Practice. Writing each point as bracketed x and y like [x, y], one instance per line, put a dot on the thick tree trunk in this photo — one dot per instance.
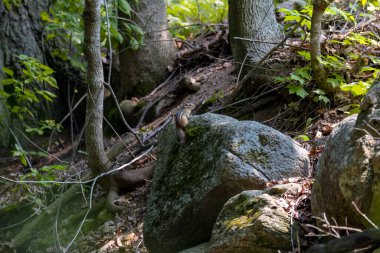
[20, 29]
[319, 72]
[255, 20]
[97, 159]
[252, 25]
[141, 70]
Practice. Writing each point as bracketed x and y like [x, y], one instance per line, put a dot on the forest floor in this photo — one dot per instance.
[125, 232]
[217, 76]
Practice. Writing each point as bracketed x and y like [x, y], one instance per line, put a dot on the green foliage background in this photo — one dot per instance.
[186, 16]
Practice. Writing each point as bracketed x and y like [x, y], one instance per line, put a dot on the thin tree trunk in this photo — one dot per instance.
[319, 72]
[97, 159]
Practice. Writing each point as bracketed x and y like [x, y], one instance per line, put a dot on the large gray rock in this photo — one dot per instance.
[349, 169]
[221, 158]
[252, 221]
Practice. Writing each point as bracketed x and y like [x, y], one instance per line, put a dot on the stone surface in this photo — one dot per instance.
[251, 221]
[221, 158]
[349, 169]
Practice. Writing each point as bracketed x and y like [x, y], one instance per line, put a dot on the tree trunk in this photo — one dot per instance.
[255, 20]
[319, 72]
[20, 29]
[97, 159]
[142, 69]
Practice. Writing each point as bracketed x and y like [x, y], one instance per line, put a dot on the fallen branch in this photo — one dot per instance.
[368, 239]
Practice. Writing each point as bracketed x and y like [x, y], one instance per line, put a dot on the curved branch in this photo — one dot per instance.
[319, 72]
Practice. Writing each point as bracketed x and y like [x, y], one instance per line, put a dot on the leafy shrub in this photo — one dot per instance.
[349, 69]
[186, 16]
[64, 20]
[23, 94]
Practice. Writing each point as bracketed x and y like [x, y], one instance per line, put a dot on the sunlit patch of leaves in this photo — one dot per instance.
[186, 16]
[349, 69]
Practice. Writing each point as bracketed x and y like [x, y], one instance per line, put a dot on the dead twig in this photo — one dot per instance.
[363, 215]
[370, 239]
[64, 118]
[332, 230]
[122, 115]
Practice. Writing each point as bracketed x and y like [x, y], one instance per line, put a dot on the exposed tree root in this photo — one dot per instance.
[127, 181]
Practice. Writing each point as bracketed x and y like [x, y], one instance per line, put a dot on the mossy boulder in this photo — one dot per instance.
[221, 158]
[251, 221]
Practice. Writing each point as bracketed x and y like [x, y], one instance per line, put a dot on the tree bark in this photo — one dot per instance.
[142, 69]
[255, 20]
[97, 159]
[319, 72]
[20, 29]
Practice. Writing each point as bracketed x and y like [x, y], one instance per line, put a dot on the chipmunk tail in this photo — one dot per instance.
[181, 136]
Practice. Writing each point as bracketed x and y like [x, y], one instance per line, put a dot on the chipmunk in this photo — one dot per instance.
[181, 120]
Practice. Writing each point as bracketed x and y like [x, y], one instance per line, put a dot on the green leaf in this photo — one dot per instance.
[292, 18]
[45, 16]
[302, 137]
[319, 92]
[7, 5]
[139, 32]
[47, 95]
[347, 42]
[366, 68]
[281, 79]
[8, 71]
[297, 78]
[360, 89]
[134, 44]
[52, 82]
[23, 160]
[355, 109]
[308, 123]
[334, 82]
[356, 89]
[305, 54]
[302, 93]
[375, 59]
[4, 94]
[324, 99]
[124, 7]
[48, 71]
[8, 81]
[339, 78]
[26, 72]
[59, 167]
[38, 153]
[50, 36]
[34, 130]
[126, 28]
[299, 90]
[304, 72]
